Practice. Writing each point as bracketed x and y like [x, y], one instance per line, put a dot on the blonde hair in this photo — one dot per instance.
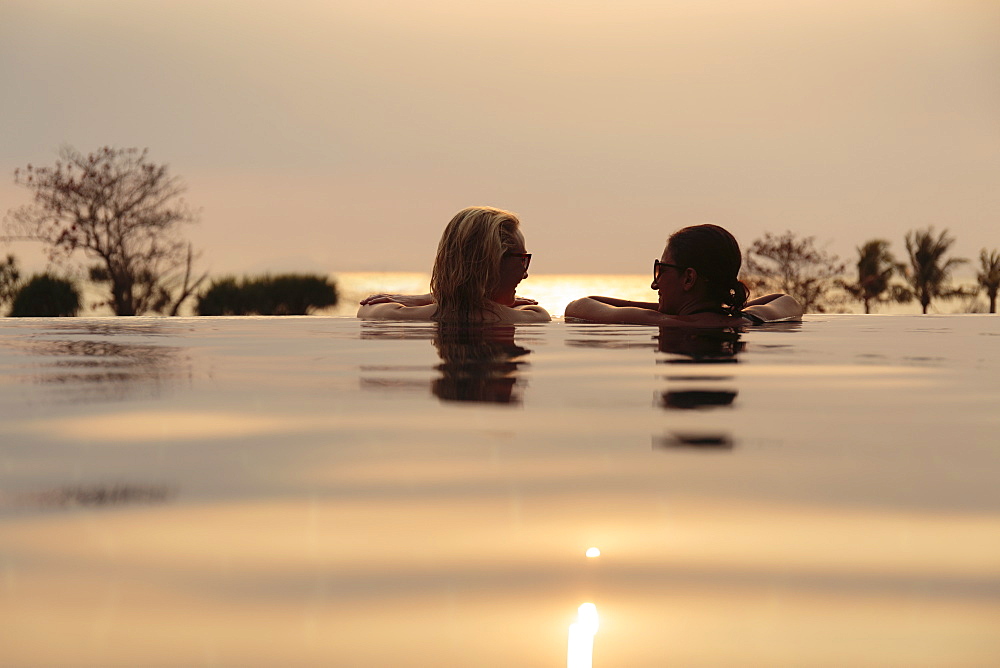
[467, 266]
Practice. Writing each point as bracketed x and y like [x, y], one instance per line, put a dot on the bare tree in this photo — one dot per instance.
[123, 212]
[794, 265]
[989, 276]
[929, 270]
[876, 267]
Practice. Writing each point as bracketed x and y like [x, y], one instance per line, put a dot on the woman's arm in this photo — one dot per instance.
[395, 311]
[614, 301]
[594, 310]
[405, 300]
[423, 300]
[775, 308]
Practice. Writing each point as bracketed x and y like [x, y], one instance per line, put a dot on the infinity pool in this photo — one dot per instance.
[328, 492]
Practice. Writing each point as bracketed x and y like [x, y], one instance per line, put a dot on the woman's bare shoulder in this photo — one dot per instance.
[523, 314]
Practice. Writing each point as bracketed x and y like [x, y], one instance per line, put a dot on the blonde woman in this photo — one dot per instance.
[480, 261]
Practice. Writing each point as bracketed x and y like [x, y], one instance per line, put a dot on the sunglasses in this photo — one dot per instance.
[524, 257]
[658, 268]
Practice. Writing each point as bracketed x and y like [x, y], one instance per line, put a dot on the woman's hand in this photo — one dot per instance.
[405, 300]
[523, 301]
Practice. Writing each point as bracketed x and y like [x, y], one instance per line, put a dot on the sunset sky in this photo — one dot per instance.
[342, 136]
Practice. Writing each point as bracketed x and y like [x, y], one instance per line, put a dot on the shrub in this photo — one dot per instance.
[46, 296]
[286, 294]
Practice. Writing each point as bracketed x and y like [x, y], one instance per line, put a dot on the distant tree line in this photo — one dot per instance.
[122, 215]
[794, 265]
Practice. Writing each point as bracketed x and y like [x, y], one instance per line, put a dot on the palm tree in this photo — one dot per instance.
[929, 270]
[876, 266]
[989, 276]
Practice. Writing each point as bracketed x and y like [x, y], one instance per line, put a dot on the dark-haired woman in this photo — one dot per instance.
[698, 286]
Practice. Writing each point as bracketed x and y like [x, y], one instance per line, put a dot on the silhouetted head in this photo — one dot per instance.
[480, 261]
[705, 261]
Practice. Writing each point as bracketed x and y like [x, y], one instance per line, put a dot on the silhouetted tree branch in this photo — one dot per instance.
[793, 265]
[123, 212]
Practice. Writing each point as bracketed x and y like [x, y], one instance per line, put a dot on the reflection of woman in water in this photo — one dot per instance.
[698, 285]
[478, 363]
[480, 261]
[703, 346]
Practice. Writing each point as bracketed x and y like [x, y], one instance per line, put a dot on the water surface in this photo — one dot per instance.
[324, 491]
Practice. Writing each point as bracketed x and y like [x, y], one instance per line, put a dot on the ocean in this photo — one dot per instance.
[554, 291]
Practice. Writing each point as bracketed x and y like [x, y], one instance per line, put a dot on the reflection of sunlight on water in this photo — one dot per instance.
[580, 651]
[166, 426]
[552, 291]
[555, 291]
[354, 286]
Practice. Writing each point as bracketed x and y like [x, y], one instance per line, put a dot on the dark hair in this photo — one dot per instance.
[714, 253]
